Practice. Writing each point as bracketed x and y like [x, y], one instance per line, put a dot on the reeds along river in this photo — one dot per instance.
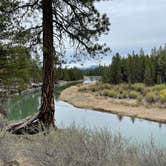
[137, 130]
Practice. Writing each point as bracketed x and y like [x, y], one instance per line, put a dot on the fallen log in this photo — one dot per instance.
[30, 125]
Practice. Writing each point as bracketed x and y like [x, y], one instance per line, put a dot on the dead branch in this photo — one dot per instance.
[30, 125]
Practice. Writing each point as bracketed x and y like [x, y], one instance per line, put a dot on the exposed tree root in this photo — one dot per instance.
[30, 125]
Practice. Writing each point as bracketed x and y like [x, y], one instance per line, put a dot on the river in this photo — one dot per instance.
[137, 130]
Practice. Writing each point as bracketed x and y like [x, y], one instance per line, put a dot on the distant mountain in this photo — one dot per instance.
[88, 67]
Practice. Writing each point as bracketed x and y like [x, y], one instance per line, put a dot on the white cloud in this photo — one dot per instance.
[135, 23]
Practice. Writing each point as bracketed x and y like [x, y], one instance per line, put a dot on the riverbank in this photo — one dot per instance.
[74, 146]
[88, 100]
[11, 108]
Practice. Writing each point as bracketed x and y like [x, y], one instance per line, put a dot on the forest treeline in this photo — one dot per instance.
[18, 66]
[135, 68]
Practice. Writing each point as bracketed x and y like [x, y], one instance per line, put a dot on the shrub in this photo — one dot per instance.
[105, 92]
[79, 147]
[133, 94]
[138, 87]
[163, 92]
[102, 86]
[120, 89]
[92, 88]
[162, 99]
[151, 97]
[82, 89]
[83, 147]
[140, 98]
[110, 93]
[123, 95]
[124, 86]
[163, 96]
[99, 86]
[147, 90]
[160, 87]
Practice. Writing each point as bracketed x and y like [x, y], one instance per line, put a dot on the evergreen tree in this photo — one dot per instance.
[148, 72]
[137, 68]
[116, 75]
[78, 20]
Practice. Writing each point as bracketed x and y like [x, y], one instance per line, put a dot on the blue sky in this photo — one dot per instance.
[135, 24]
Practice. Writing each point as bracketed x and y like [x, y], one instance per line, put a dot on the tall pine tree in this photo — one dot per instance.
[78, 20]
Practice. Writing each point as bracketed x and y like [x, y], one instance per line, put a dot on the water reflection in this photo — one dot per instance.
[23, 106]
[160, 125]
[132, 119]
[66, 114]
[120, 117]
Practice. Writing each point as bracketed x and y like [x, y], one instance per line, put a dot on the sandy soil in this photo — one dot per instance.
[87, 100]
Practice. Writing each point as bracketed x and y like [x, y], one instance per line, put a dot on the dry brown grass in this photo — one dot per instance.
[77, 147]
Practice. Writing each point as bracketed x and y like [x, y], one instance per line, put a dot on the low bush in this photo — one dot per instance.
[123, 95]
[140, 92]
[151, 97]
[119, 89]
[140, 98]
[82, 89]
[160, 87]
[93, 88]
[110, 93]
[138, 87]
[162, 99]
[133, 94]
[102, 86]
[163, 96]
[124, 86]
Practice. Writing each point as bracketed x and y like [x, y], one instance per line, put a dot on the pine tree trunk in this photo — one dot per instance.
[47, 108]
[46, 114]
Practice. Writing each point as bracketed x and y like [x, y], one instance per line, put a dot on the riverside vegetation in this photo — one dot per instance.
[18, 69]
[71, 146]
[155, 95]
[74, 146]
[77, 146]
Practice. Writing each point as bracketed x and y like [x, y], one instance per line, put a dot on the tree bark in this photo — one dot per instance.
[47, 99]
[45, 117]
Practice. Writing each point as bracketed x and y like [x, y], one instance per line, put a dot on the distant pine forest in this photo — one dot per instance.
[133, 68]
[17, 66]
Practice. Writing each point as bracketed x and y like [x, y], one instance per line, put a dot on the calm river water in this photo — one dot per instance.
[137, 130]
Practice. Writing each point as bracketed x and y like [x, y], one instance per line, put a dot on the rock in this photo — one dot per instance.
[36, 85]
[14, 91]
